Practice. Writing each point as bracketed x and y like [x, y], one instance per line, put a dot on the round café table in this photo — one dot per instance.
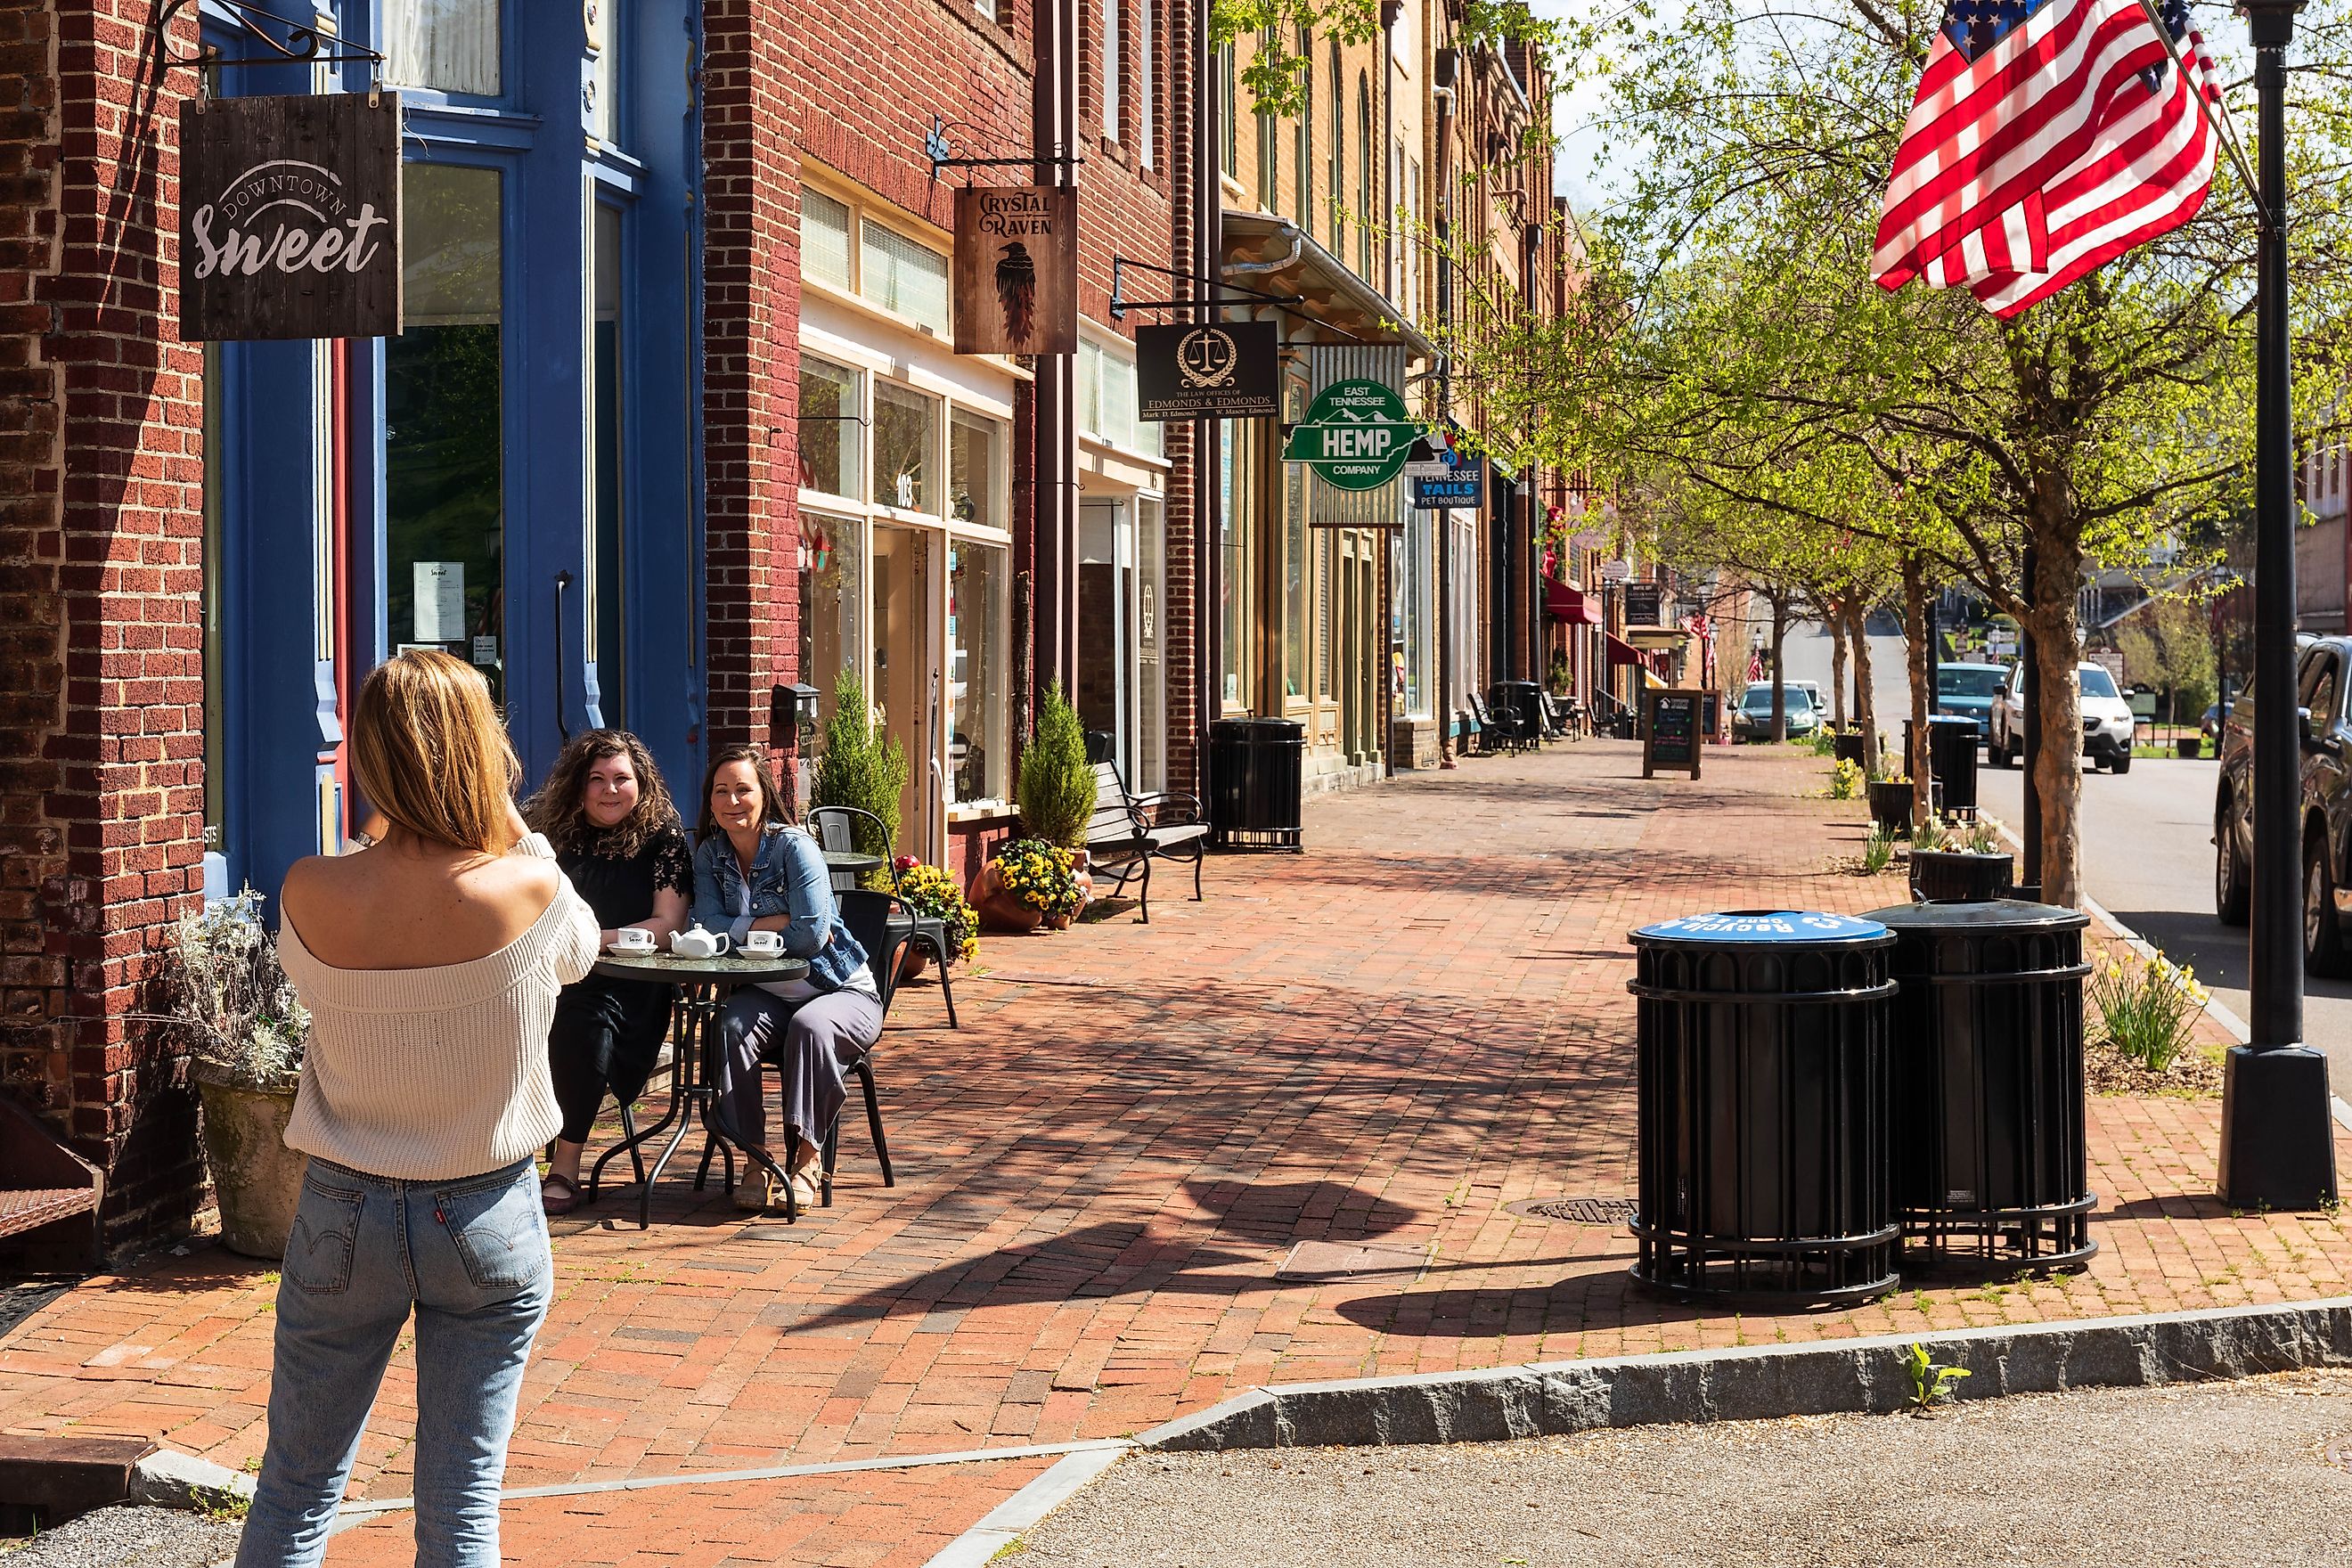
[704, 984]
[852, 862]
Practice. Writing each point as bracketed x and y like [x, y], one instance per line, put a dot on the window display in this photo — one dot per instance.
[978, 724]
[905, 430]
[828, 426]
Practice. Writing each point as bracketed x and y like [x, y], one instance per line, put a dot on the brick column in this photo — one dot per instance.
[101, 747]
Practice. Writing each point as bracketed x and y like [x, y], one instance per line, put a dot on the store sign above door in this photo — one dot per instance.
[1016, 270]
[1443, 474]
[1219, 370]
[1356, 436]
[289, 217]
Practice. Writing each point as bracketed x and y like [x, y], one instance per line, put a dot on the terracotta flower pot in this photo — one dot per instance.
[913, 961]
[1001, 909]
[1081, 868]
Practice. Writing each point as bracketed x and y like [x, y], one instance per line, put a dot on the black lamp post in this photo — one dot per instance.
[2278, 1141]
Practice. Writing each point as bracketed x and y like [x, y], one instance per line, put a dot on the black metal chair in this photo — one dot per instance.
[836, 828]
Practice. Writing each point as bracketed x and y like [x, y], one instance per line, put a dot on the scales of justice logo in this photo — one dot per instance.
[1206, 359]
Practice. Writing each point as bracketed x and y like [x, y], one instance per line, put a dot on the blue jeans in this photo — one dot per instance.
[470, 1255]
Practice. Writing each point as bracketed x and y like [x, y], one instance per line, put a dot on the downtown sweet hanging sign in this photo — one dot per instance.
[1016, 270]
[289, 217]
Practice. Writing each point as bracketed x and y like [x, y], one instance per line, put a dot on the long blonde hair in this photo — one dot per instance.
[429, 751]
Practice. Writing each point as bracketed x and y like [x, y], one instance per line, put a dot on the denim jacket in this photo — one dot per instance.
[788, 877]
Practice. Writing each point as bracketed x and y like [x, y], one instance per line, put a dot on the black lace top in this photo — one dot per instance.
[621, 889]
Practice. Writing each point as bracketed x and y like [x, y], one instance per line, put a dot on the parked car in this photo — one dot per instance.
[2216, 714]
[2107, 721]
[1752, 719]
[2321, 666]
[1966, 691]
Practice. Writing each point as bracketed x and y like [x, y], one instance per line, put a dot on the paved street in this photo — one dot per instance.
[2256, 1474]
[1810, 648]
[1397, 1040]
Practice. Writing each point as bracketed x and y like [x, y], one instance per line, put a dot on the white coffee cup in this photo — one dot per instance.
[633, 939]
[763, 943]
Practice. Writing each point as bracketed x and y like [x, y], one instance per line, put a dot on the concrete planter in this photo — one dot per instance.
[255, 1177]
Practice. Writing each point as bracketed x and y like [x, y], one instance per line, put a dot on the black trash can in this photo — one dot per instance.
[1959, 876]
[1952, 755]
[1765, 1098]
[1256, 783]
[1988, 1152]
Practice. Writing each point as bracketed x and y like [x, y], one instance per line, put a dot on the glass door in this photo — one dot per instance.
[1106, 690]
[1151, 614]
[444, 444]
[906, 690]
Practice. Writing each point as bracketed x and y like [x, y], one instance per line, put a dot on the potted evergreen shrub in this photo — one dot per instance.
[1055, 792]
[864, 768]
[221, 981]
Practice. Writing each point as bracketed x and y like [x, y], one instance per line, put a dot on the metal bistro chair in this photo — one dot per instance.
[868, 915]
[835, 828]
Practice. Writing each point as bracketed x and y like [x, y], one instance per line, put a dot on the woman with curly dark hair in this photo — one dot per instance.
[615, 834]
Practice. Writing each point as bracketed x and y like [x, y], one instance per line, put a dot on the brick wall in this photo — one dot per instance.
[100, 571]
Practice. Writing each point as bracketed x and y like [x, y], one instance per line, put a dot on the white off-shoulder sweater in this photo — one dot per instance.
[437, 1073]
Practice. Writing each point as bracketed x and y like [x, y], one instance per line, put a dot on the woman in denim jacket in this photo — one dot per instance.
[754, 872]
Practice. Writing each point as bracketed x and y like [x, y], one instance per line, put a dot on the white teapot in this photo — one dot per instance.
[698, 942]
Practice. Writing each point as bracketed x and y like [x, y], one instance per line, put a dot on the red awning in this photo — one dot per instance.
[1562, 603]
[1623, 652]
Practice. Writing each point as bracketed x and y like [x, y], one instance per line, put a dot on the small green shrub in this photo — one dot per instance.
[1845, 780]
[2147, 1011]
[1056, 791]
[1930, 1383]
[1927, 835]
[1878, 851]
[1822, 742]
[861, 768]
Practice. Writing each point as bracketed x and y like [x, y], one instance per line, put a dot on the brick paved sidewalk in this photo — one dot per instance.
[1392, 1038]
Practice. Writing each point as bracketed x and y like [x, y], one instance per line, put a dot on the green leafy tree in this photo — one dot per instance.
[1056, 789]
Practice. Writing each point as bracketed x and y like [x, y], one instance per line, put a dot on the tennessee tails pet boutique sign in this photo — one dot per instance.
[289, 217]
[1016, 270]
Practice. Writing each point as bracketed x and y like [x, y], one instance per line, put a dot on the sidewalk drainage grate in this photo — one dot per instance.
[1576, 1211]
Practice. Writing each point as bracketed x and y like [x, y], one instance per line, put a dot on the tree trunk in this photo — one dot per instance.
[2058, 773]
[1780, 680]
[1866, 701]
[1835, 616]
[1914, 642]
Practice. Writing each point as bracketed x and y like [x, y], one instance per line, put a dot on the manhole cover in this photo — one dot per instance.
[1576, 1211]
[1330, 1260]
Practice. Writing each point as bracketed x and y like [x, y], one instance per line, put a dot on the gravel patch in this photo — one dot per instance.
[130, 1537]
[2236, 1475]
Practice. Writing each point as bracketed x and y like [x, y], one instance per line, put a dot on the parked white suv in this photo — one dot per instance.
[2107, 722]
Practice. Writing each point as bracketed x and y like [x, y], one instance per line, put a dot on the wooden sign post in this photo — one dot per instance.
[289, 217]
[1670, 737]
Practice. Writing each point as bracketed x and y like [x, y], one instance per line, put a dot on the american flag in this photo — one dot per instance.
[2048, 137]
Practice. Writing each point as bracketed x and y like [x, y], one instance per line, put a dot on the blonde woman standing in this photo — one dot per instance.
[430, 963]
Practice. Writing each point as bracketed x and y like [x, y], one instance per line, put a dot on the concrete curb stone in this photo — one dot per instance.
[1767, 1382]
[167, 1478]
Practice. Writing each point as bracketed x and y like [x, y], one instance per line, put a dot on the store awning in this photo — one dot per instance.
[1275, 256]
[1623, 652]
[1656, 639]
[1562, 603]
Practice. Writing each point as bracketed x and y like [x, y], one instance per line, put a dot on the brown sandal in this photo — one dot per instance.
[551, 1204]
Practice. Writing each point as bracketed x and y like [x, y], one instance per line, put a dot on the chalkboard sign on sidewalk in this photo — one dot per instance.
[1672, 737]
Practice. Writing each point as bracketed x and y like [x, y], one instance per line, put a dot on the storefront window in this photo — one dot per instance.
[976, 469]
[1420, 608]
[443, 470]
[1327, 601]
[448, 44]
[824, 238]
[604, 586]
[906, 429]
[832, 567]
[978, 725]
[899, 275]
[1294, 582]
[829, 427]
[1151, 672]
[1237, 502]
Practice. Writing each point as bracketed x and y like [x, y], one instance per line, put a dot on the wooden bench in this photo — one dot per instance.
[1129, 832]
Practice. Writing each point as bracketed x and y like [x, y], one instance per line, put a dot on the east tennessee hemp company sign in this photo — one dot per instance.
[289, 217]
[1356, 435]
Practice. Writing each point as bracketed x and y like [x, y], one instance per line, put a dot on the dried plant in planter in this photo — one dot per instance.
[221, 981]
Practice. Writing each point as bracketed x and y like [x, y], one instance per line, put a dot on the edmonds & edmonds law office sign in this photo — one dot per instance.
[289, 217]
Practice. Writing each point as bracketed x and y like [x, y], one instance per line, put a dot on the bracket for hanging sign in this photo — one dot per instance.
[940, 151]
[1119, 307]
[300, 47]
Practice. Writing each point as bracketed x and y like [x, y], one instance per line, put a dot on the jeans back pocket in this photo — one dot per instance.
[499, 1232]
[325, 1237]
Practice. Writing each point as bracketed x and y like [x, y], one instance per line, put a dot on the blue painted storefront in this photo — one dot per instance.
[319, 497]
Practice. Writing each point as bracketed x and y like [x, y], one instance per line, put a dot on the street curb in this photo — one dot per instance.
[1004, 1523]
[1766, 1382]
